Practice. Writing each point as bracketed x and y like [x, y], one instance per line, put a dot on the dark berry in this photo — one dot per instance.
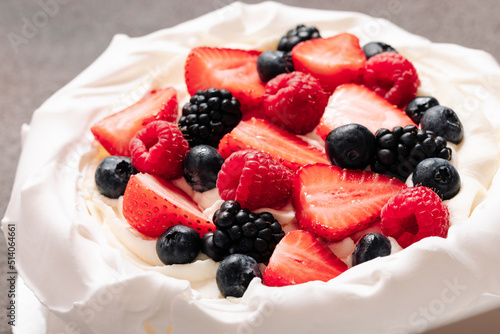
[296, 35]
[112, 175]
[370, 246]
[439, 175]
[208, 247]
[444, 122]
[418, 106]
[272, 63]
[351, 146]
[372, 48]
[235, 273]
[201, 166]
[179, 244]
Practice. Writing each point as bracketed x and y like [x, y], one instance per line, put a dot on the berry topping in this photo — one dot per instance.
[370, 246]
[399, 151]
[296, 35]
[209, 248]
[255, 180]
[439, 175]
[334, 60]
[235, 273]
[299, 258]
[231, 69]
[201, 166]
[208, 116]
[444, 122]
[374, 48]
[352, 103]
[271, 63]
[413, 214]
[112, 175]
[334, 203]
[159, 149]
[151, 205]
[418, 106]
[259, 134]
[351, 146]
[115, 131]
[392, 76]
[179, 244]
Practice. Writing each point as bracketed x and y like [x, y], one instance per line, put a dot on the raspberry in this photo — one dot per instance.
[295, 101]
[414, 213]
[159, 149]
[255, 180]
[393, 77]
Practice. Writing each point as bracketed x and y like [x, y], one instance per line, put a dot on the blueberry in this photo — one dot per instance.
[179, 244]
[370, 246]
[112, 175]
[439, 175]
[418, 106]
[351, 146]
[235, 273]
[201, 166]
[272, 63]
[444, 122]
[373, 48]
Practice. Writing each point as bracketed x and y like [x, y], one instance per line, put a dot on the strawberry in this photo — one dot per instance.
[334, 203]
[334, 60]
[351, 103]
[299, 258]
[261, 135]
[115, 131]
[151, 205]
[231, 69]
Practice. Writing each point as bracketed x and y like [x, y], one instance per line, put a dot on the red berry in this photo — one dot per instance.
[413, 214]
[255, 180]
[159, 149]
[295, 101]
[392, 76]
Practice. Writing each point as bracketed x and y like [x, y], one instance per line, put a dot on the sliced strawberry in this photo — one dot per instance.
[351, 103]
[334, 60]
[299, 258]
[261, 135]
[115, 131]
[334, 203]
[222, 68]
[151, 205]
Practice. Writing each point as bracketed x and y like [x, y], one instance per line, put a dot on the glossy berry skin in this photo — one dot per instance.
[418, 106]
[112, 175]
[351, 146]
[439, 175]
[371, 246]
[201, 166]
[179, 244]
[373, 48]
[209, 248]
[444, 122]
[274, 62]
[235, 274]
[296, 35]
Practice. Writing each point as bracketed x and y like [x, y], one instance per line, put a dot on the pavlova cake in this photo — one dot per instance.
[264, 169]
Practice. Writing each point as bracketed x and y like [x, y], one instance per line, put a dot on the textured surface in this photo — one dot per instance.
[45, 43]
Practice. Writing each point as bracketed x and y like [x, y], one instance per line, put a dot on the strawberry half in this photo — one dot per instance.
[334, 203]
[299, 258]
[115, 131]
[334, 60]
[151, 205]
[231, 69]
[351, 103]
[261, 135]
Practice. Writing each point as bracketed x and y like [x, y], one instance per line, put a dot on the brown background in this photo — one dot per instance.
[76, 32]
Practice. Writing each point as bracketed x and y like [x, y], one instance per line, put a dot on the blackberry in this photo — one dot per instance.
[240, 231]
[208, 116]
[296, 35]
[399, 151]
